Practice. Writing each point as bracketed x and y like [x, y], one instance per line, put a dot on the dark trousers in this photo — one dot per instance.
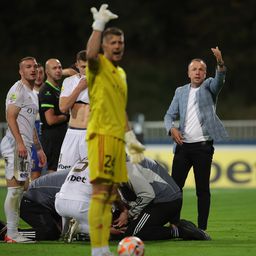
[46, 223]
[199, 156]
[149, 225]
[51, 140]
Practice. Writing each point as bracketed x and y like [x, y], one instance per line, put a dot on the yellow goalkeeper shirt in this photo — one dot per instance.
[108, 97]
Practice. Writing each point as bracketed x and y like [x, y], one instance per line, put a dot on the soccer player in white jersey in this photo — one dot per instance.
[21, 112]
[74, 99]
[73, 199]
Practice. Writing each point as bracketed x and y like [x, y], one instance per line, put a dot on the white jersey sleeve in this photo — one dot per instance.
[15, 95]
[69, 84]
[141, 187]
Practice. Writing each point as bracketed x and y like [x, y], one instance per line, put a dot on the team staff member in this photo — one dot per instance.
[74, 99]
[54, 122]
[21, 112]
[37, 206]
[194, 105]
[154, 199]
[107, 125]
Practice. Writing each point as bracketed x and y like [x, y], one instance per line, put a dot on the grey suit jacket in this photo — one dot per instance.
[207, 99]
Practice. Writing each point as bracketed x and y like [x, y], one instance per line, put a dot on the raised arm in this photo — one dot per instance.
[219, 79]
[100, 17]
[220, 62]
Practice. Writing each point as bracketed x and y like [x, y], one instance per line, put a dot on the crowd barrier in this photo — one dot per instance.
[234, 166]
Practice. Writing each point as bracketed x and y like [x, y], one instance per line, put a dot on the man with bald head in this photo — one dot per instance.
[54, 122]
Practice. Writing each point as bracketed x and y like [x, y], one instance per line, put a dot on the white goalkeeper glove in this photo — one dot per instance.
[102, 17]
[134, 147]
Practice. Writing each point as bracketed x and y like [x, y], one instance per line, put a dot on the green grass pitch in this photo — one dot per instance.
[232, 226]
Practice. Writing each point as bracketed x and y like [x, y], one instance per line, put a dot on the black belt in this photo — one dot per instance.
[207, 142]
[75, 128]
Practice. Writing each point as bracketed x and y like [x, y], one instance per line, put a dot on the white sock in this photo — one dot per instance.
[96, 251]
[65, 225]
[105, 249]
[12, 209]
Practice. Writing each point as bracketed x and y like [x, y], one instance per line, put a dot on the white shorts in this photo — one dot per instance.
[15, 166]
[73, 149]
[73, 209]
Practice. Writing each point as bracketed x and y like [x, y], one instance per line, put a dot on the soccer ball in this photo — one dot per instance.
[130, 246]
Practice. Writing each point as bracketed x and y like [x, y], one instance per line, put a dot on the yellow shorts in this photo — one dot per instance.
[107, 158]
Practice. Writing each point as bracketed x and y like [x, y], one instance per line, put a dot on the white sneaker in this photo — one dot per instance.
[72, 230]
[18, 239]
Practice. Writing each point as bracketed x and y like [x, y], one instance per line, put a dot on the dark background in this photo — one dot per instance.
[161, 38]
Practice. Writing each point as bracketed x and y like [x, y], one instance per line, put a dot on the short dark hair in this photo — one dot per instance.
[39, 65]
[81, 55]
[112, 31]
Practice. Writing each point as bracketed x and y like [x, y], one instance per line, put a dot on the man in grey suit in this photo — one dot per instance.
[194, 105]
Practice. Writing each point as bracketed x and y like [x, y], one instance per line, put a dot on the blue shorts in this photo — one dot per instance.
[34, 159]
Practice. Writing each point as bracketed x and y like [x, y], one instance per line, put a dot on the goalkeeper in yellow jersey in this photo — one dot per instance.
[107, 125]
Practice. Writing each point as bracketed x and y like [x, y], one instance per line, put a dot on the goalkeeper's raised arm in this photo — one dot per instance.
[101, 17]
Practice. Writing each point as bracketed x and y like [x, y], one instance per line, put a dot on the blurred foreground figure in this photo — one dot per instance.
[107, 125]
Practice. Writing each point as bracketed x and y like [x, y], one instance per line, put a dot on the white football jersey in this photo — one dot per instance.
[77, 185]
[26, 99]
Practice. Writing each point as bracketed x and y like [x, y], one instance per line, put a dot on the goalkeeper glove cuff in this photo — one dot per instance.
[130, 136]
[98, 25]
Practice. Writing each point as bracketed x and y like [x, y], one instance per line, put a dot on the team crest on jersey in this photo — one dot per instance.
[48, 93]
[13, 98]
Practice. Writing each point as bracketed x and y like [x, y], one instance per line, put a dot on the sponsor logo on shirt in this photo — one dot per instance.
[64, 167]
[74, 178]
[12, 98]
